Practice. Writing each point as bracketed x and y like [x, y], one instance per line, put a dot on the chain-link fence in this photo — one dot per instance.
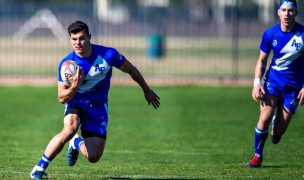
[170, 41]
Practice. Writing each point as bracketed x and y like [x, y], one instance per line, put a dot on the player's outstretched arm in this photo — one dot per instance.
[150, 95]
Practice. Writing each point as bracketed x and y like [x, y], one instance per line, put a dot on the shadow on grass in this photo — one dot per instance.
[267, 167]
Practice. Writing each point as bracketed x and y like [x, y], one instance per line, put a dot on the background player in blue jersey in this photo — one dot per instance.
[283, 84]
[86, 99]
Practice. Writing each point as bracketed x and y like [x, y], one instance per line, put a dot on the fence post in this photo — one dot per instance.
[235, 41]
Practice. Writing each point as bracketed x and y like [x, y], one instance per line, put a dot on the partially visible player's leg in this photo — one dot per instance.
[73, 150]
[285, 112]
[94, 130]
[74, 111]
[267, 108]
[71, 125]
[93, 149]
[55, 146]
[260, 137]
[280, 124]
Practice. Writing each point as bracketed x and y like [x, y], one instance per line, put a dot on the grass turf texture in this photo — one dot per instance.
[198, 133]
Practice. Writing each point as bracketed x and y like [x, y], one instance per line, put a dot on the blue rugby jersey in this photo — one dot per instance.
[287, 65]
[97, 70]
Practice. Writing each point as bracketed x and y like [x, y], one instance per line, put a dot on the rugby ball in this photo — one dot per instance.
[68, 70]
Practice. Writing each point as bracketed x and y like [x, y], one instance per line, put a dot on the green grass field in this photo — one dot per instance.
[198, 133]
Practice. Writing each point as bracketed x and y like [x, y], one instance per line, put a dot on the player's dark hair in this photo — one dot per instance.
[78, 26]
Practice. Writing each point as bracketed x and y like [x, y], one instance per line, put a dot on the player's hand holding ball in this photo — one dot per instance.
[72, 74]
[77, 79]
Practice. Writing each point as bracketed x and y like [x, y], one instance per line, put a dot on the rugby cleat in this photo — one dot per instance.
[255, 162]
[72, 154]
[38, 173]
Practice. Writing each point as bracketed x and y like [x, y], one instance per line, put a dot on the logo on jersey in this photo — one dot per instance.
[295, 44]
[290, 52]
[100, 68]
[97, 73]
[274, 42]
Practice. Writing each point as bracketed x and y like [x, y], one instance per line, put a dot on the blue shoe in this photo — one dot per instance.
[38, 173]
[72, 154]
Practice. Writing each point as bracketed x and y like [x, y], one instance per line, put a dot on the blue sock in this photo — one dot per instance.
[44, 161]
[78, 142]
[259, 141]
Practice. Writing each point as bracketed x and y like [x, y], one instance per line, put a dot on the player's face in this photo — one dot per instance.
[287, 16]
[81, 43]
